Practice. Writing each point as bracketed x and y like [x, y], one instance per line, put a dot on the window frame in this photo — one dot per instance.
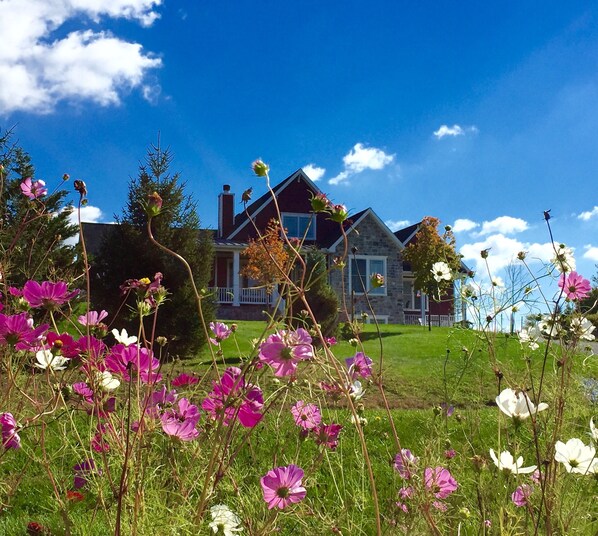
[311, 229]
[411, 281]
[374, 292]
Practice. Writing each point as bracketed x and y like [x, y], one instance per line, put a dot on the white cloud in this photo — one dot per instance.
[395, 225]
[314, 172]
[504, 225]
[463, 225]
[589, 214]
[361, 158]
[89, 214]
[591, 253]
[39, 68]
[455, 130]
[503, 251]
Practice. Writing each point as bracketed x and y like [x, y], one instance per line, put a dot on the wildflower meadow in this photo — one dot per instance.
[279, 428]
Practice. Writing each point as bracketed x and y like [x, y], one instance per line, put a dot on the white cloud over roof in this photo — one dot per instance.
[314, 172]
[395, 225]
[463, 225]
[360, 158]
[39, 67]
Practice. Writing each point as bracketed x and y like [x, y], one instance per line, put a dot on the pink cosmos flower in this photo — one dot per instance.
[142, 360]
[184, 379]
[282, 486]
[181, 423]
[84, 391]
[63, 344]
[307, 416]
[521, 495]
[10, 438]
[83, 471]
[159, 401]
[331, 341]
[283, 350]
[574, 286]
[33, 189]
[405, 463]
[18, 330]
[234, 398]
[47, 294]
[327, 435]
[359, 365]
[450, 453]
[221, 332]
[92, 318]
[440, 482]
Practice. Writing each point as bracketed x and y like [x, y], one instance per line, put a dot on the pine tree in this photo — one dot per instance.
[127, 253]
[33, 233]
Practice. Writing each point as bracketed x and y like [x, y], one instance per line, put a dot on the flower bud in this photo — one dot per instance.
[80, 187]
[484, 253]
[521, 255]
[320, 203]
[339, 213]
[376, 280]
[66, 177]
[260, 168]
[154, 205]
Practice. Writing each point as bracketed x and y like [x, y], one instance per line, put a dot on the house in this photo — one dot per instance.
[369, 245]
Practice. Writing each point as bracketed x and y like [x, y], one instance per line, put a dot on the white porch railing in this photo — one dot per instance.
[248, 295]
[435, 320]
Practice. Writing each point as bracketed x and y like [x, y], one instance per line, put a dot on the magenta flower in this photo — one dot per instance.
[234, 398]
[327, 435]
[181, 423]
[33, 189]
[10, 438]
[307, 416]
[142, 360]
[283, 350]
[405, 463]
[63, 344]
[521, 495]
[47, 294]
[440, 482]
[83, 471]
[450, 453]
[159, 401]
[184, 379]
[18, 330]
[84, 391]
[92, 318]
[359, 365]
[282, 486]
[221, 332]
[574, 286]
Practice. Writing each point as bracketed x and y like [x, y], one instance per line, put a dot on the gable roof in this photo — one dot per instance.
[406, 234]
[242, 219]
[357, 219]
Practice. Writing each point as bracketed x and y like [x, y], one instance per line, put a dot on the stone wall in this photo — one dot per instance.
[370, 239]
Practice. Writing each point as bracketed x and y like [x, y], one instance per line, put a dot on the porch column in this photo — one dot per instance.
[236, 281]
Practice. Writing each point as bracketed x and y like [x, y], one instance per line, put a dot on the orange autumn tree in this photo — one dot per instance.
[267, 257]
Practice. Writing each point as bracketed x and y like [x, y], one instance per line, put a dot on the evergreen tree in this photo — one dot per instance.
[33, 232]
[127, 253]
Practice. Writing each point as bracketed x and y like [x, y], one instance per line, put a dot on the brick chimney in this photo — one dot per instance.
[226, 211]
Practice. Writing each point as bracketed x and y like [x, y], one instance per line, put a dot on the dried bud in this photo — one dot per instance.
[80, 187]
[260, 168]
[66, 177]
[233, 327]
[484, 253]
[161, 340]
[246, 195]
[521, 255]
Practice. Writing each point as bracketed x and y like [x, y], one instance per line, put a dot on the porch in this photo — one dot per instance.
[250, 295]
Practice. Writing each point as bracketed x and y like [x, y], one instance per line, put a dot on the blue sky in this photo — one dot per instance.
[483, 114]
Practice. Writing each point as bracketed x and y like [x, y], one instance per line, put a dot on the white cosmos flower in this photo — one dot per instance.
[563, 259]
[549, 326]
[225, 519]
[583, 328]
[357, 390]
[441, 271]
[517, 404]
[507, 463]
[107, 382]
[529, 338]
[123, 337]
[46, 359]
[575, 455]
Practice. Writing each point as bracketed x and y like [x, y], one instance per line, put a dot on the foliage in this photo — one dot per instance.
[33, 232]
[267, 257]
[127, 253]
[427, 248]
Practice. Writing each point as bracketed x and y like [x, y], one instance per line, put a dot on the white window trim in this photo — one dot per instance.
[366, 276]
[413, 296]
[311, 231]
[382, 319]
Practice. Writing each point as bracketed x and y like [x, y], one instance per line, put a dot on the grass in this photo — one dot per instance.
[421, 370]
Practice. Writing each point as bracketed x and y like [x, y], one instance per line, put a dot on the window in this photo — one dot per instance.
[362, 268]
[299, 225]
